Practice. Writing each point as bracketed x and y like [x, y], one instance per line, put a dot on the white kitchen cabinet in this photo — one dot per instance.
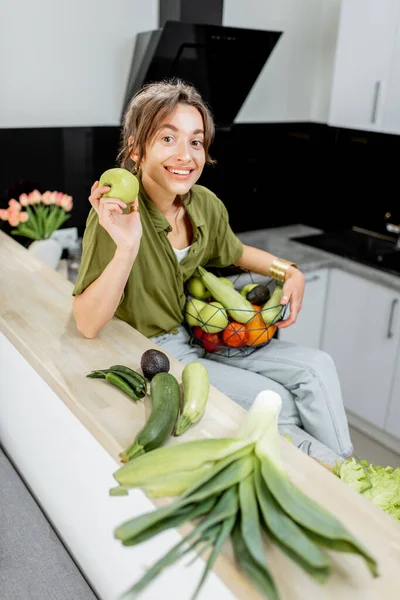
[364, 60]
[361, 333]
[307, 330]
[392, 421]
[391, 116]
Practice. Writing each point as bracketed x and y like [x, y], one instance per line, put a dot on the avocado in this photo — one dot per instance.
[260, 294]
[153, 362]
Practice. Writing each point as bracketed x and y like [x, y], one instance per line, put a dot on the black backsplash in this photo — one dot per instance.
[268, 175]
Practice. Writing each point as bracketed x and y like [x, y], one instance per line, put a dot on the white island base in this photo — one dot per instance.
[70, 475]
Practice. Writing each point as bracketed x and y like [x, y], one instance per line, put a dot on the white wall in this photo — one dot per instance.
[66, 62]
[295, 82]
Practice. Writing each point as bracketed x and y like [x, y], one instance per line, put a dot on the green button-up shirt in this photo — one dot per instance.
[154, 295]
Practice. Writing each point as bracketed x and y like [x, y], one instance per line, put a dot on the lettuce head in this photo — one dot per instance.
[380, 484]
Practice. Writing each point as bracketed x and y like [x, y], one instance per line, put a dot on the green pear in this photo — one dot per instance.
[124, 185]
[195, 287]
[192, 311]
[213, 317]
[246, 288]
[227, 281]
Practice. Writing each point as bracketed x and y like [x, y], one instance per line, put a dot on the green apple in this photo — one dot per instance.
[213, 317]
[123, 184]
[246, 288]
[196, 288]
[192, 311]
[227, 281]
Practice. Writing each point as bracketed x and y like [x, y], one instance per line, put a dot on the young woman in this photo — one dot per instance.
[135, 266]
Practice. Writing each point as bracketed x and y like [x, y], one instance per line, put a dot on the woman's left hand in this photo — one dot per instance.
[293, 292]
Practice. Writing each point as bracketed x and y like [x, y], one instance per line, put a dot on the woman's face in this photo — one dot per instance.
[175, 158]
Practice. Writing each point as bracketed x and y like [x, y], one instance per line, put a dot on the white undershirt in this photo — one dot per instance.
[181, 254]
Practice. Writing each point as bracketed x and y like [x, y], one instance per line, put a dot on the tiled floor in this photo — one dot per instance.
[366, 448]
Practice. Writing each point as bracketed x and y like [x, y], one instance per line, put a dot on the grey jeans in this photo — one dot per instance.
[305, 378]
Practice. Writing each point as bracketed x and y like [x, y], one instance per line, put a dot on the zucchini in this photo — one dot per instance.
[236, 305]
[196, 387]
[165, 404]
[272, 310]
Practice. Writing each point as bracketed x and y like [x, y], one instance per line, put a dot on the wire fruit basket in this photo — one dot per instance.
[212, 326]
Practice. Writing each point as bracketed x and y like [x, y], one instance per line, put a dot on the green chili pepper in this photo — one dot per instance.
[120, 383]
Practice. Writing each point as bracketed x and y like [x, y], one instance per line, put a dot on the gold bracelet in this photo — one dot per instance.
[279, 267]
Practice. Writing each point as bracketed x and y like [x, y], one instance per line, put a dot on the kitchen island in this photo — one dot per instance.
[65, 431]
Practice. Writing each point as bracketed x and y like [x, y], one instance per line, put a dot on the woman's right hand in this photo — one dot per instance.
[124, 229]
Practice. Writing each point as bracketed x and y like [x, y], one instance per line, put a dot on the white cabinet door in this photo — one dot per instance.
[361, 333]
[307, 330]
[365, 46]
[392, 421]
[391, 117]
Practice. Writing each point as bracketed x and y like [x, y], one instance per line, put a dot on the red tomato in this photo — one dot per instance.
[211, 341]
[198, 332]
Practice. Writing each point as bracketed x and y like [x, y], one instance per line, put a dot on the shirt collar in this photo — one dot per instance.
[159, 221]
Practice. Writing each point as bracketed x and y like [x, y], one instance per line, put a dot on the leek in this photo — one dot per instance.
[176, 458]
[235, 488]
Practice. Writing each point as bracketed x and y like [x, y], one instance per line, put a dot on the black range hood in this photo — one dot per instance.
[223, 63]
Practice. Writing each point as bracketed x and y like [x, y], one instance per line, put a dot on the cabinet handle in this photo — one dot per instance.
[391, 316]
[377, 90]
[312, 278]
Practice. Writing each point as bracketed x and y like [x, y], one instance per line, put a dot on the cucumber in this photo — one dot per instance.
[196, 387]
[272, 310]
[236, 305]
[165, 405]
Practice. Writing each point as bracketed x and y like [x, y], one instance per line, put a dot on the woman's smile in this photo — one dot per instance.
[180, 173]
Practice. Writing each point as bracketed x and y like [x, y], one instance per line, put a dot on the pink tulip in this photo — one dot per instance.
[13, 219]
[3, 214]
[35, 197]
[23, 217]
[46, 198]
[24, 200]
[14, 205]
[66, 203]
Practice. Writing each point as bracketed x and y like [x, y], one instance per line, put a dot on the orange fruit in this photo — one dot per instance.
[259, 332]
[235, 334]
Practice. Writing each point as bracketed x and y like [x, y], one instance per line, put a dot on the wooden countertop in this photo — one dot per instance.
[36, 316]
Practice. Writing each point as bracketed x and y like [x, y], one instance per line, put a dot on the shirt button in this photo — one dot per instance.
[194, 251]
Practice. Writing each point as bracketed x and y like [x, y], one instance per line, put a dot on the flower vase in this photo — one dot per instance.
[49, 251]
